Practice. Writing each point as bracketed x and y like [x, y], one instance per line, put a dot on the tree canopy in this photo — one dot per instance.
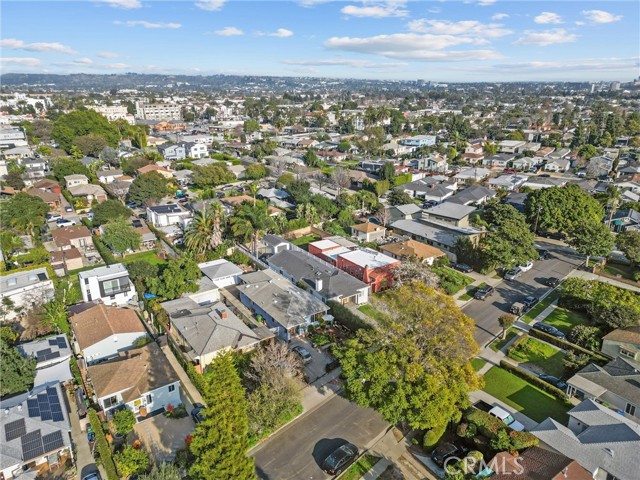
[510, 241]
[178, 276]
[415, 368]
[398, 196]
[592, 239]
[23, 213]
[62, 167]
[211, 175]
[110, 210]
[256, 171]
[629, 242]
[69, 126]
[121, 237]
[148, 188]
[17, 373]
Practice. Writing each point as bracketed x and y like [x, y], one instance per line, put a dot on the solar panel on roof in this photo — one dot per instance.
[15, 429]
[46, 415]
[62, 342]
[57, 416]
[53, 342]
[51, 356]
[34, 409]
[52, 441]
[53, 395]
[32, 445]
[41, 354]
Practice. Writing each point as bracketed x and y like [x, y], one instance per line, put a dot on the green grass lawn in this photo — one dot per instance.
[478, 363]
[564, 319]
[537, 310]
[497, 344]
[542, 355]
[358, 469]
[370, 311]
[469, 295]
[149, 257]
[303, 241]
[625, 271]
[451, 280]
[523, 396]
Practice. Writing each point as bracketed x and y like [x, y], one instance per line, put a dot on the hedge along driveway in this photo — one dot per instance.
[523, 396]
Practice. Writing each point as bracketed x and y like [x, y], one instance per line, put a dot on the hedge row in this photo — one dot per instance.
[489, 426]
[102, 446]
[531, 378]
[346, 317]
[565, 345]
[104, 251]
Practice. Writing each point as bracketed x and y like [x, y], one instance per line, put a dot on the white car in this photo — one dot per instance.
[65, 222]
[506, 417]
[526, 267]
[52, 217]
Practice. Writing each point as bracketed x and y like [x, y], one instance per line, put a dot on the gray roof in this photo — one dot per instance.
[167, 209]
[285, 303]
[450, 210]
[307, 268]
[273, 240]
[219, 269]
[205, 330]
[15, 281]
[109, 173]
[609, 441]
[472, 194]
[440, 236]
[408, 209]
[116, 268]
[16, 409]
[47, 350]
[618, 377]
[423, 185]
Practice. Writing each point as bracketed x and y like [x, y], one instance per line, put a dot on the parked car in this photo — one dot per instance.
[65, 222]
[92, 476]
[512, 274]
[340, 459]
[132, 205]
[52, 217]
[483, 292]
[529, 302]
[552, 282]
[332, 365]
[196, 413]
[429, 204]
[555, 381]
[518, 309]
[549, 329]
[463, 267]
[526, 267]
[303, 353]
[448, 450]
[506, 417]
[542, 254]
[90, 216]
[68, 208]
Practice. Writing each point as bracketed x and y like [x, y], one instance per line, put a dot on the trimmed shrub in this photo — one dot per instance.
[104, 251]
[487, 425]
[522, 440]
[102, 446]
[531, 378]
[432, 437]
[346, 317]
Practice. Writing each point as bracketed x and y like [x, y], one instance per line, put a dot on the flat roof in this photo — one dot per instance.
[369, 258]
[324, 244]
[15, 281]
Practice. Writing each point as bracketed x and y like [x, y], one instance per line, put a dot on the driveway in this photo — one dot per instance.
[485, 313]
[298, 450]
[319, 359]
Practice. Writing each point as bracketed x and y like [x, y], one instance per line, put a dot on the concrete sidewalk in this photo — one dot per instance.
[592, 276]
[478, 279]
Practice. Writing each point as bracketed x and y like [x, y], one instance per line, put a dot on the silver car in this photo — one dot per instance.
[303, 353]
[512, 274]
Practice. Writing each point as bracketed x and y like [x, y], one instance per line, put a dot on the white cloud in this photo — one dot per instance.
[600, 16]
[83, 61]
[107, 54]
[312, 3]
[470, 28]
[481, 3]
[145, 24]
[210, 5]
[500, 16]
[344, 62]
[548, 17]
[31, 62]
[54, 47]
[423, 47]
[434, 10]
[546, 37]
[126, 4]
[280, 33]
[377, 10]
[229, 32]
[599, 64]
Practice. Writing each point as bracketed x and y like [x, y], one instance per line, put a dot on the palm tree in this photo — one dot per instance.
[614, 196]
[250, 222]
[253, 190]
[205, 231]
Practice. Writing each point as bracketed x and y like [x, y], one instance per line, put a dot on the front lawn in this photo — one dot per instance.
[539, 357]
[451, 280]
[523, 396]
[303, 241]
[564, 319]
[498, 343]
[149, 257]
[362, 466]
[469, 295]
[478, 363]
[370, 311]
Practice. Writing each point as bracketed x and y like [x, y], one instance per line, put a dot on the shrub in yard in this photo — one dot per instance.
[522, 440]
[575, 361]
[486, 424]
[585, 336]
[501, 441]
[467, 430]
[432, 437]
[123, 421]
[132, 461]
[347, 318]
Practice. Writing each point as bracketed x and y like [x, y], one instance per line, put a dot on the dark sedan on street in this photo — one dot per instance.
[463, 267]
[483, 292]
[340, 459]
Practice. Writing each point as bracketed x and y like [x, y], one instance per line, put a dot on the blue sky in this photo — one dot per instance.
[465, 40]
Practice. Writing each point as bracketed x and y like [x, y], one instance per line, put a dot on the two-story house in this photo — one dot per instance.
[110, 285]
[170, 214]
[75, 180]
[25, 290]
[75, 236]
[173, 152]
[449, 213]
[368, 232]
[623, 343]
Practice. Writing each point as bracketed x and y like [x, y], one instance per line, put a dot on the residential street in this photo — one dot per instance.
[485, 313]
[297, 451]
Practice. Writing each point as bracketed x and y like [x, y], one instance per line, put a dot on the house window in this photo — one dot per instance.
[627, 353]
[630, 409]
[172, 388]
[149, 399]
[110, 402]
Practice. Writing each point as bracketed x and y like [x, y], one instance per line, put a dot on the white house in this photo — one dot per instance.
[108, 176]
[511, 146]
[101, 332]
[25, 290]
[143, 380]
[419, 141]
[216, 274]
[110, 285]
[559, 165]
[52, 355]
[75, 180]
[195, 150]
[170, 214]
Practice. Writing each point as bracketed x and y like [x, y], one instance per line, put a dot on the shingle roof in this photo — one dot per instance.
[434, 234]
[63, 236]
[98, 322]
[537, 464]
[472, 194]
[617, 376]
[412, 248]
[626, 335]
[368, 227]
[450, 210]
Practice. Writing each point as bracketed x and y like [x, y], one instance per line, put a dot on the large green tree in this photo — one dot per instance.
[415, 366]
[250, 222]
[23, 213]
[121, 237]
[16, 372]
[110, 210]
[256, 171]
[592, 239]
[148, 188]
[67, 166]
[220, 441]
[398, 196]
[509, 241]
[205, 230]
[132, 461]
[91, 144]
[68, 127]
[178, 276]
[211, 175]
[629, 242]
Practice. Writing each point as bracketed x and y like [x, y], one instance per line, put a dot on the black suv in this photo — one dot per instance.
[340, 459]
[483, 292]
[463, 267]
[555, 381]
[196, 413]
[552, 282]
[543, 254]
[529, 302]
[448, 450]
[546, 328]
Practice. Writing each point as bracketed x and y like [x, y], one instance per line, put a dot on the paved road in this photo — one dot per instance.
[485, 313]
[296, 452]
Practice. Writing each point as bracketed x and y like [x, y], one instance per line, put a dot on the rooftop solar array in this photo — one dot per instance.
[59, 342]
[46, 406]
[32, 445]
[15, 429]
[46, 354]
